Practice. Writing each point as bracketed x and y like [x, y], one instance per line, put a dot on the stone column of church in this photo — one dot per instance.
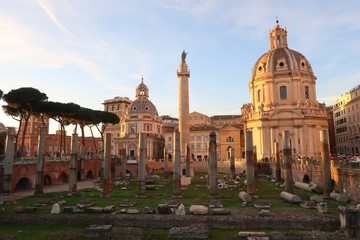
[301, 136]
[73, 164]
[183, 74]
[296, 140]
[232, 163]
[166, 170]
[311, 143]
[141, 165]
[289, 183]
[250, 171]
[187, 161]
[213, 166]
[39, 183]
[107, 166]
[9, 159]
[325, 163]
[177, 166]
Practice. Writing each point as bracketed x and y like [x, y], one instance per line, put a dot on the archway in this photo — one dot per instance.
[47, 180]
[89, 175]
[63, 178]
[128, 173]
[23, 184]
[306, 179]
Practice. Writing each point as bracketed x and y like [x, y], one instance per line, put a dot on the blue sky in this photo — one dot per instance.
[85, 51]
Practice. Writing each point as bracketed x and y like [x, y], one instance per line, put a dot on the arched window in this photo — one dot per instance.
[283, 93]
[259, 96]
[307, 92]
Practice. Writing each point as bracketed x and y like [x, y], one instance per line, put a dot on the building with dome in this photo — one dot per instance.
[283, 98]
[141, 116]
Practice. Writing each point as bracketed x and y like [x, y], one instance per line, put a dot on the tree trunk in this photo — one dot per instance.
[23, 136]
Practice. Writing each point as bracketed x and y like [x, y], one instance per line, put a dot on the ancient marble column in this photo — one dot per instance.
[213, 166]
[277, 163]
[40, 161]
[325, 163]
[166, 168]
[289, 182]
[107, 166]
[187, 160]
[250, 171]
[9, 159]
[232, 163]
[123, 163]
[141, 166]
[73, 164]
[177, 166]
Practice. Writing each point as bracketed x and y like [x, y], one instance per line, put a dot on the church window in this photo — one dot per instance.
[281, 64]
[147, 108]
[260, 68]
[113, 107]
[133, 129]
[134, 108]
[229, 139]
[307, 92]
[303, 64]
[283, 93]
[259, 96]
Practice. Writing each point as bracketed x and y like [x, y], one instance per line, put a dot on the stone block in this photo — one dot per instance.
[109, 209]
[322, 207]
[55, 208]
[245, 197]
[164, 208]
[95, 209]
[292, 198]
[221, 211]
[185, 181]
[198, 210]
[180, 210]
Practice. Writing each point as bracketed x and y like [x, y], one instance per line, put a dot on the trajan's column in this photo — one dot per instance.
[184, 128]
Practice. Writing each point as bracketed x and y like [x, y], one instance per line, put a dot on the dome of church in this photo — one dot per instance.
[142, 104]
[280, 60]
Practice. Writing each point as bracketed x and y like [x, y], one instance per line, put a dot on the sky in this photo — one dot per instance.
[85, 51]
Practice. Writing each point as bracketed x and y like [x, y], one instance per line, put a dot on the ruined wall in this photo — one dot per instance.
[346, 180]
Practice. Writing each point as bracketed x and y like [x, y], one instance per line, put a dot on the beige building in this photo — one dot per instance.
[346, 114]
[232, 142]
[118, 106]
[142, 117]
[283, 98]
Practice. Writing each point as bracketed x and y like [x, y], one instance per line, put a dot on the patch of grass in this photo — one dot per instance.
[196, 193]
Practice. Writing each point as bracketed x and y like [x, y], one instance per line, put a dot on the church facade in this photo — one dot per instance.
[283, 98]
[142, 117]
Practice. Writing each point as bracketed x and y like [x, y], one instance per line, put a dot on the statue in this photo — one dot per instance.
[183, 56]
